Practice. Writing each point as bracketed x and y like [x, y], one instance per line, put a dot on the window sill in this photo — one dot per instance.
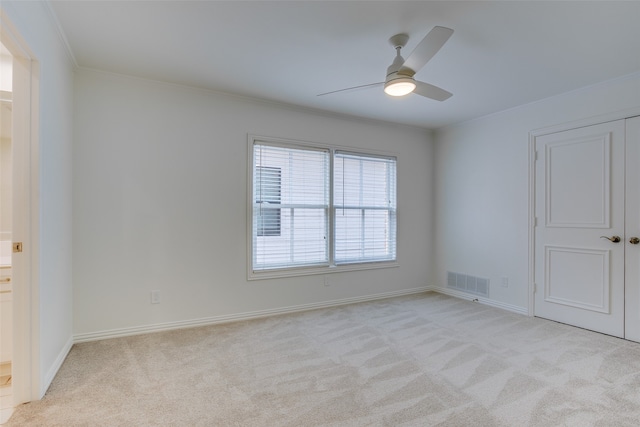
[304, 271]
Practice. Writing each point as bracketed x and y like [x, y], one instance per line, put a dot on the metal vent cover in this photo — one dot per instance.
[467, 283]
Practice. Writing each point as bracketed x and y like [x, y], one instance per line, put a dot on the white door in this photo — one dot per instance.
[632, 221]
[579, 209]
[24, 185]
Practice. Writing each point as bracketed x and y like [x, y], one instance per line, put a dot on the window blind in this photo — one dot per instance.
[290, 206]
[268, 195]
[364, 200]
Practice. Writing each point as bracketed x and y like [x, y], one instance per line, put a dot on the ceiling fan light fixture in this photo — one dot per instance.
[400, 87]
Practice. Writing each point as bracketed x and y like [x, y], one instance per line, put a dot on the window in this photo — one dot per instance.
[365, 208]
[291, 184]
[299, 220]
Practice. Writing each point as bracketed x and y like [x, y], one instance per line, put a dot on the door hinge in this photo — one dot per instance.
[535, 288]
[17, 247]
[536, 155]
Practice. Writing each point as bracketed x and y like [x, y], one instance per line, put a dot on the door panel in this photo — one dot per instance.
[578, 278]
[632, 224]
[580, 198]
[578, 191]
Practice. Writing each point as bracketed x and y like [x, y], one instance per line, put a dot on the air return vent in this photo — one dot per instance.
[470, 284]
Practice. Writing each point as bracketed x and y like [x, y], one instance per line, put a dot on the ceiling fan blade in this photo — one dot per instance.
[431, 91]
[426, 49]
[352, 88]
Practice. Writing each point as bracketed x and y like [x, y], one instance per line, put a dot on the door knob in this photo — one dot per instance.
[634, 240]
[614, 239]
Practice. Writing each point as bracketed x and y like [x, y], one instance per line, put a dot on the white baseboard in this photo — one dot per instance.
[51, 373]
[458, 294]
[116, 333]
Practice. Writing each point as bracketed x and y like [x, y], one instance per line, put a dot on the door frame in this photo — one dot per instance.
[25, 227]
[536, 133]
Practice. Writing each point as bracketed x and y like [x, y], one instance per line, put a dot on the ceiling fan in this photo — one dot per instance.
[400, 81]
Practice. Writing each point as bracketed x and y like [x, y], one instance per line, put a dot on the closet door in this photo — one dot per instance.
[579, 209]
[632, 253]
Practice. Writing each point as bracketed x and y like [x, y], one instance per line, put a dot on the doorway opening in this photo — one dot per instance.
[6, 196]
[19, 80]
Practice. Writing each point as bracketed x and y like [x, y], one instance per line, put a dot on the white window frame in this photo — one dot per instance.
[332, 267]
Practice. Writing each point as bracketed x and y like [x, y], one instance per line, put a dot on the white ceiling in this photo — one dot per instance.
[502, 54]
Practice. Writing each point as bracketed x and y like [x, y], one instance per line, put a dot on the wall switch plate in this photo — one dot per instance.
[504, 282]
[155, 297]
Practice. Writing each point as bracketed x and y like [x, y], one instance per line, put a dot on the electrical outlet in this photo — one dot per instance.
[504, 282]
[155, 297]
[326, 281]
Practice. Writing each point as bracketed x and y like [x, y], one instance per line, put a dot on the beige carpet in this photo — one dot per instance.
[423, 360]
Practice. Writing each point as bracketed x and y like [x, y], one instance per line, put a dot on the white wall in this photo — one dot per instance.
[482, 198]
[160, 181]
[53, 331]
